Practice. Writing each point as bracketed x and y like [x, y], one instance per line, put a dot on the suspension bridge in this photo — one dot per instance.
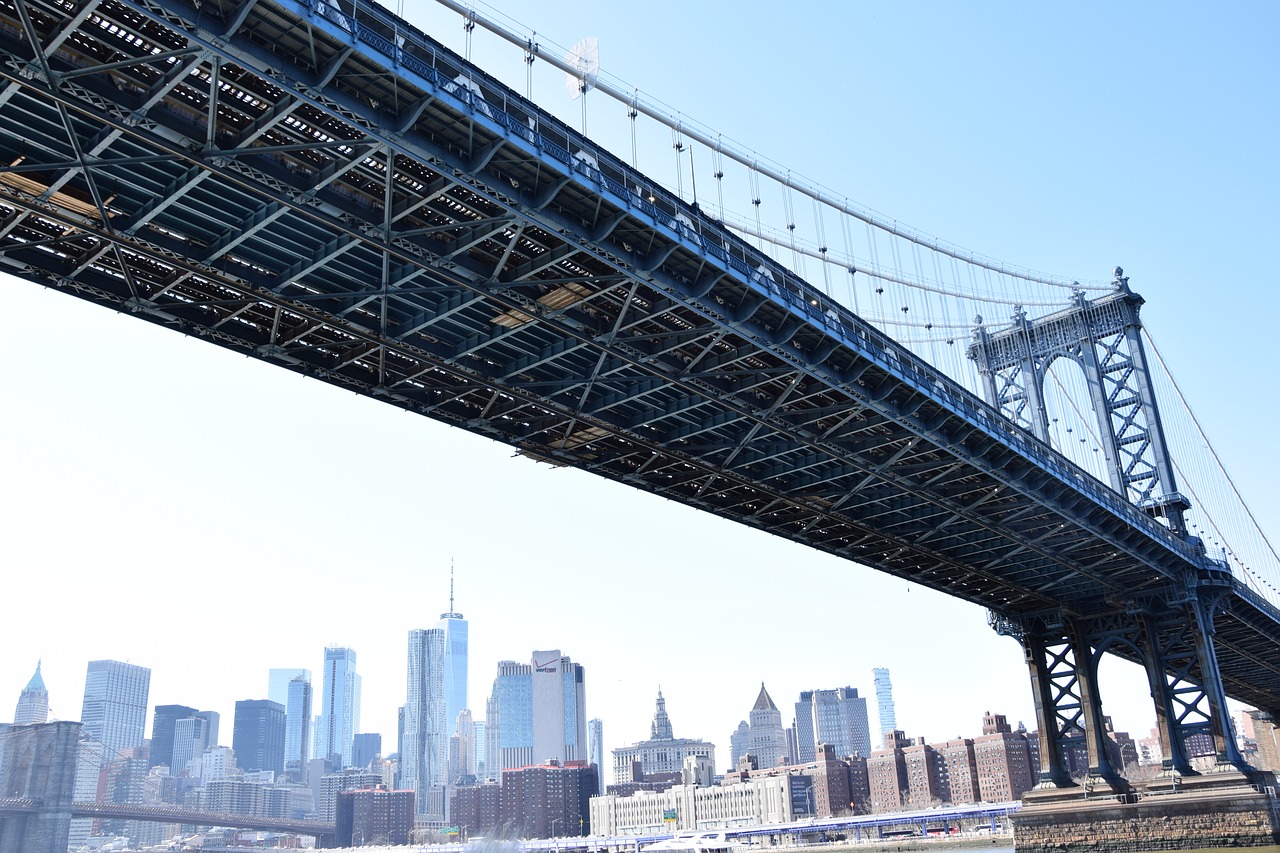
[324, 187]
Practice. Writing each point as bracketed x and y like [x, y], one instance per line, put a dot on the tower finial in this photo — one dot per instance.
[451, 584]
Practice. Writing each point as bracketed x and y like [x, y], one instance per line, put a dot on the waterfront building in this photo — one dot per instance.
[374, 816]
[424, 750]
[959, 771]
[114, 711]
[297, 722]
[549, 800]
[662, 755]
[163, 722]
[924, 775]
[884, 701]
[837, 717]
[763, 799]
[477, 810]
[834, 785]
[1003, 760]
[537, 709]
[887, 774]
[257, 735]
[350, 779]
[339, 705]
[33, 702]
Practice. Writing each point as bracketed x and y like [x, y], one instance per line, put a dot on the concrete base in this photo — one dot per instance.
[1226, 816]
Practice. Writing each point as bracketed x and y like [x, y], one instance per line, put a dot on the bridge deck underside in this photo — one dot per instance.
[392, 221]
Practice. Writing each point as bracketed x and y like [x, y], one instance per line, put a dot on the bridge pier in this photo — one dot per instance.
[1081, 801]
[1222, 817]
[40, 764]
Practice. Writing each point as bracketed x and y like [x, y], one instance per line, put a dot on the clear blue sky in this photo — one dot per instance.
[210, 517]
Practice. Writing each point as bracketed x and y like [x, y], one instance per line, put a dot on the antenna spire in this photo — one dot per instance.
[451, 614]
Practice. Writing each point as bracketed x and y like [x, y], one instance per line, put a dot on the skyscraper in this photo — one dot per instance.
[595, 750]
[297, 721]
[191, 737]
[537, 713]
[114, 712]
[424, 759]
[33, 702]
[163, 722]
[884, 701]
[278, 684]
[462, 754]
[366, 747]
[257, 735]
[837, 717]
[455, 660]
[768, 740]
[339, 704]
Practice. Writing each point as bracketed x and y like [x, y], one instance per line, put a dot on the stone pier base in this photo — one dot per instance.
[1217, 817]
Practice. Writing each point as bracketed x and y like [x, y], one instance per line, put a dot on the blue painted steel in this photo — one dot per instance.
[519, 290]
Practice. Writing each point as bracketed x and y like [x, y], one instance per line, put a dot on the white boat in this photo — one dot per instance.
[693, 842]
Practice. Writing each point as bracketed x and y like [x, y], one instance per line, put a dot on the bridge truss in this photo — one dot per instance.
[328, 190]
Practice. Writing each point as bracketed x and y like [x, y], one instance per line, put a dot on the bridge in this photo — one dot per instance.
[21, 806]
[37, 778]
[323, 187]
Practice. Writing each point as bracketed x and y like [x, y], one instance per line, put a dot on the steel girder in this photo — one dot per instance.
[382, 216]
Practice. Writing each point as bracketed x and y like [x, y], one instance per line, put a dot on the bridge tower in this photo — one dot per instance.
[1103, 336]
[38, 763]
[1170, 634]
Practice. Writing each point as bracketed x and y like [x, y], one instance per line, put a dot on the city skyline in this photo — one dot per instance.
[189, 477]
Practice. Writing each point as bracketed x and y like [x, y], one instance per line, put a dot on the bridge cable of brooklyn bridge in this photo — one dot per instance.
[325, 187]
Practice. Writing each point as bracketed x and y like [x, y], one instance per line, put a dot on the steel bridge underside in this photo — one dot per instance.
[346, 199]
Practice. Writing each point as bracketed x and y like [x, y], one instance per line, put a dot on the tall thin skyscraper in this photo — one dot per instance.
[884, 701]
[114, 712]
[339, 704]
[595, 750]
[33, 702]
[424, 755]
[297, 721]
[455, 660]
